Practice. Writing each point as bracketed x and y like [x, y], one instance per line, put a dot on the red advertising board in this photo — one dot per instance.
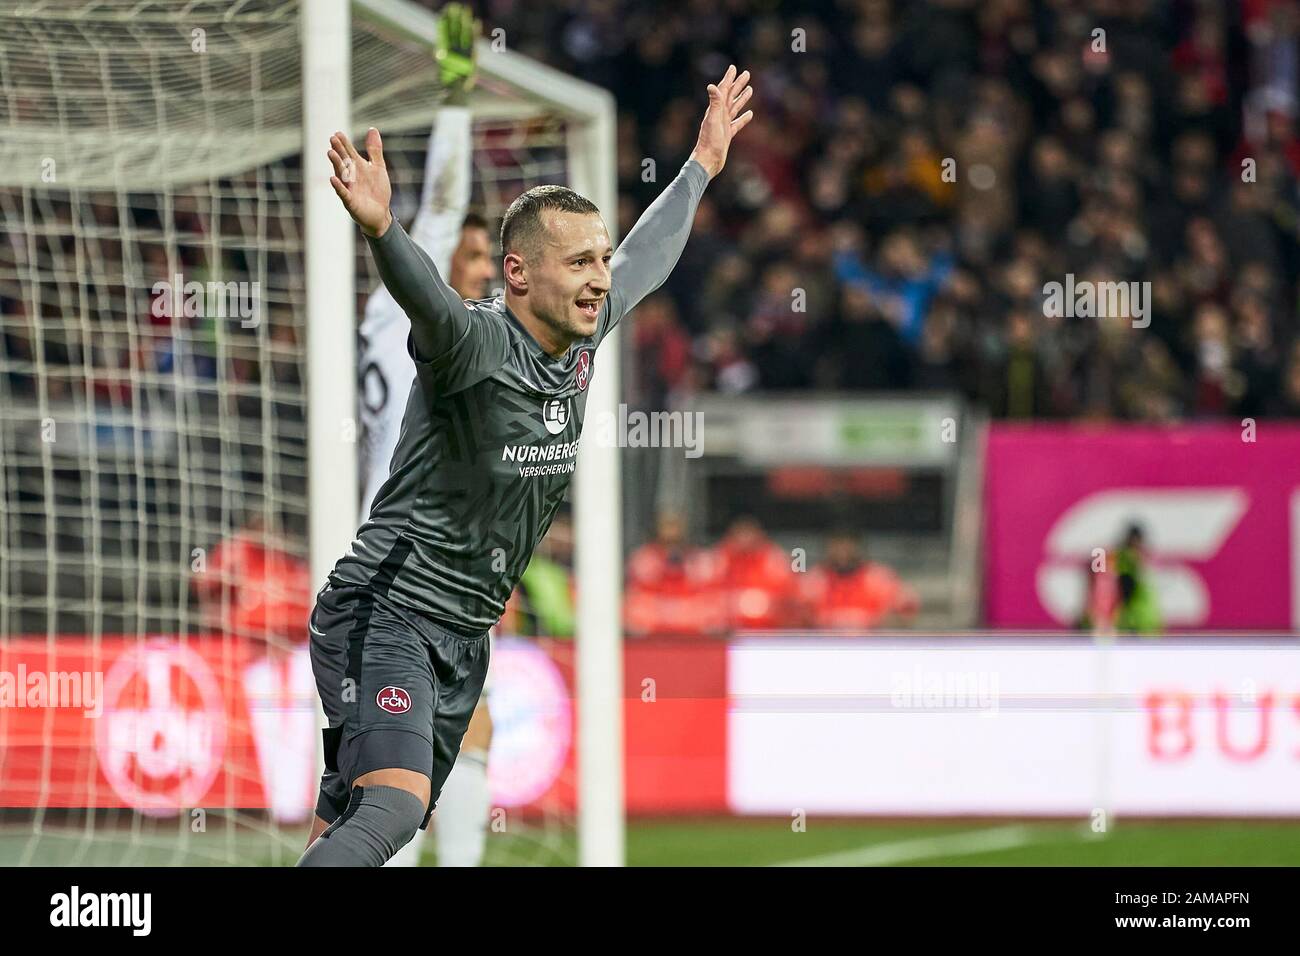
[155, 724]
[864, 724]
[674, 721]
[162, 725]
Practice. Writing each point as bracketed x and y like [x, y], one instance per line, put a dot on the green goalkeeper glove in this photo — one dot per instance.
[457, 31]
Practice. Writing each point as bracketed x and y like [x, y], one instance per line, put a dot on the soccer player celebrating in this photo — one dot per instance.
[486, 452]
[457, 241]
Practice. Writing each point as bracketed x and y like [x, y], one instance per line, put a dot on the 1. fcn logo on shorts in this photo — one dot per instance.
[393, 699]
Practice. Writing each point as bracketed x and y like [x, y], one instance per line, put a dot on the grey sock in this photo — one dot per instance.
[383, 821]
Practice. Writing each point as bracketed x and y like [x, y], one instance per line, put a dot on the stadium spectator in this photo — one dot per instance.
[846, 592]
[871, 353]
[662, 352]
[1017, 384]
[1287, 404]
[252, 585]
[672, 587]
[757, 580]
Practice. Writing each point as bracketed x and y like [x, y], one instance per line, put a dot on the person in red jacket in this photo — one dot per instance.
[255, 594]
[672, 586]
[846, 592]
[758, 579]
[252, 586]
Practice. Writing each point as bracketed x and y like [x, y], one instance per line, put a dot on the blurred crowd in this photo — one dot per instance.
[254, 586]
[915, 175]
[744, 582]
[918, 171]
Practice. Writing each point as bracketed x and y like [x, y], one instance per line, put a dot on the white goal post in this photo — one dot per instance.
[507, 82]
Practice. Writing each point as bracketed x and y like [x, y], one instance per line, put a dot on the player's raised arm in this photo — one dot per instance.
[444, 197]
[438, 316]
[646, 257]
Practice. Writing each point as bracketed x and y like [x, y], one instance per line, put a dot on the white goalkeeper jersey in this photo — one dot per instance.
[386, 369]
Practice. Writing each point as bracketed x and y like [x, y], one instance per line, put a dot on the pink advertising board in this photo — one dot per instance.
[1221, 514]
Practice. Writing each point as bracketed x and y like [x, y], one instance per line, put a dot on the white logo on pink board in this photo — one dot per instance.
[1181, 524]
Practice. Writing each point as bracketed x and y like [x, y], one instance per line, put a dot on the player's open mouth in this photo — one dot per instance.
[589, 307]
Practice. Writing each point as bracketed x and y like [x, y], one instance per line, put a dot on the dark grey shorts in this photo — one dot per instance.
[398, 689]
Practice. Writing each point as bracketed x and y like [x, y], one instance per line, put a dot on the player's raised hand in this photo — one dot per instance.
[723, 120]
[362, 183]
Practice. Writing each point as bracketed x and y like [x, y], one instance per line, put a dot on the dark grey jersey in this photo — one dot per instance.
[489, 440]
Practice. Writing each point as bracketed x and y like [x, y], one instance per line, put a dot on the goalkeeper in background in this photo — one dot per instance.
[458, 243]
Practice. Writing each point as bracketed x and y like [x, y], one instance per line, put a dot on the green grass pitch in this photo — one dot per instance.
[729, 841]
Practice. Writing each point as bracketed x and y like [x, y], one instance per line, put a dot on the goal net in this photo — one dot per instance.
[156, 700]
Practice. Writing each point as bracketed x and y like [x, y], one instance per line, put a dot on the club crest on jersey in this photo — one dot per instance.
[393, 699]
[583, 374]
[555, 415]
